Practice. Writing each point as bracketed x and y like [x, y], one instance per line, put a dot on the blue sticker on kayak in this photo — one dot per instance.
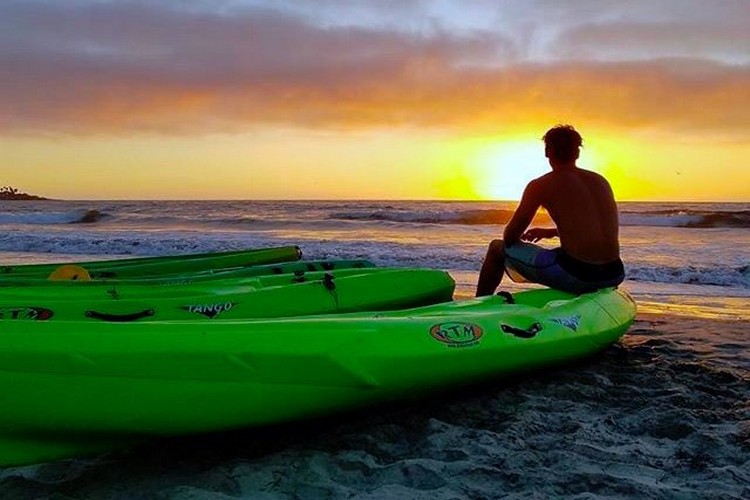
[572, 322]
[456, 333]
[27, 313]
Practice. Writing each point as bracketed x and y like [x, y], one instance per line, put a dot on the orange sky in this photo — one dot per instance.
[409, 100]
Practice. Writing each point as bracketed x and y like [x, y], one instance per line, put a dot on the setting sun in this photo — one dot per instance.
[501, 170]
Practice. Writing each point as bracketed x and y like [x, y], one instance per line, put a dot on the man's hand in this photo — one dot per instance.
[538, 233]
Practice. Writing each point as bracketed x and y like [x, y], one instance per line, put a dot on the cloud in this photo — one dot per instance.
[729, 41]
[625, 30]
[120, 68]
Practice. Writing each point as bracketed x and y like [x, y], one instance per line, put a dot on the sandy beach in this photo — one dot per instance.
[662, 414]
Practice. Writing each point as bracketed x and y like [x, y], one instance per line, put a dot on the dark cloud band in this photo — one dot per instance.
[121, 68]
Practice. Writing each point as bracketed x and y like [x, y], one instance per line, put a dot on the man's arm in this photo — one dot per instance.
[539, 233]
[530, 203]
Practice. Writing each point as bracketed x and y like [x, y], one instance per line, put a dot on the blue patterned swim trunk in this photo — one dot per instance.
[556, 269]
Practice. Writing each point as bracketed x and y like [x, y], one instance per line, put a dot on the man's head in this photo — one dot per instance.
[562, 144]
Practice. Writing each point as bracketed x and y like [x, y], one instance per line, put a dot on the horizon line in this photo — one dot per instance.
[452, 200]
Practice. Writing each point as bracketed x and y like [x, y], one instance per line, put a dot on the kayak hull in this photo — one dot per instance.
[73, 388]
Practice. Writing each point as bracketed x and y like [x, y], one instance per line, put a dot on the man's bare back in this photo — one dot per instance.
[583, 208]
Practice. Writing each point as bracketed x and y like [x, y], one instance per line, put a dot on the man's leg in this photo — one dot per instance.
[492, 270]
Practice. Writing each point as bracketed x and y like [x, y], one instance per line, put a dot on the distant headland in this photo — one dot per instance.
[11, 193]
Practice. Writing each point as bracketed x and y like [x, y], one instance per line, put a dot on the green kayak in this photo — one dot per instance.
[318, 292]
[70, 388]
[154, 266]
[298, 268]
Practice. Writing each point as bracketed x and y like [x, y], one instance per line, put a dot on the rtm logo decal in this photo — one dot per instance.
[210, 310]
[572, 322]
[28, 313]
[457, 334]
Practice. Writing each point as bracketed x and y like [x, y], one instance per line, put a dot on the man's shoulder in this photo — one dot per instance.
[552, 182]
[597, 178]
[542, 179]
[541, 182]
[588, 176]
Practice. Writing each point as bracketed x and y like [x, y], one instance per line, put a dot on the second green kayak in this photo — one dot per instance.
[319, 292]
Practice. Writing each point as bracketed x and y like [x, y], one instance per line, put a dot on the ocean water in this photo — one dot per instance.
[675, 254]
[665, 413]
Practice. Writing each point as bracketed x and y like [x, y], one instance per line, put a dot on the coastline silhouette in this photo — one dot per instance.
[12, 193]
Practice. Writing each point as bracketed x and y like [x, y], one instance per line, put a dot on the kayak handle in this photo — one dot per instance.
[103, 274]
[120, 318]
[328, 282]
[522, 333]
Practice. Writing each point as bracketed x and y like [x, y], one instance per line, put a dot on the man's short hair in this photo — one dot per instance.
[563, 142]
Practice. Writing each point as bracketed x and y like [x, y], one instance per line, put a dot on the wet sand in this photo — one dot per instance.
[665, 413]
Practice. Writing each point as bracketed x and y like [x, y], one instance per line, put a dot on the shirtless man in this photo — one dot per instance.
[583, 208]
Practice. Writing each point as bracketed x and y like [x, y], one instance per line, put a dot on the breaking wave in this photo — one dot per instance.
[693, 275]
[659, 218]
[79, 216]
[687, 218]
[466, 217]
